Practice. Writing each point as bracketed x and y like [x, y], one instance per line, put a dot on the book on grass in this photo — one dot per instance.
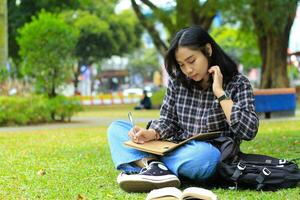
[161, 147]
[173, 193]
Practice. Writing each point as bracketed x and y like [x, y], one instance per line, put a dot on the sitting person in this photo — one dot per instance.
[145, 102]
[205, 93]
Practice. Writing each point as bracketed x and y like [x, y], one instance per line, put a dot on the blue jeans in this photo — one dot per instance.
[196, 160]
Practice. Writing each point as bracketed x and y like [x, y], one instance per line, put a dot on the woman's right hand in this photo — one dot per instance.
[141, 135]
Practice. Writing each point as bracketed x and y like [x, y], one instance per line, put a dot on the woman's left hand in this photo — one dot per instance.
[217, 80]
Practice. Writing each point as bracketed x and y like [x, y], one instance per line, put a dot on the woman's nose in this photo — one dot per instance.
[189, 70]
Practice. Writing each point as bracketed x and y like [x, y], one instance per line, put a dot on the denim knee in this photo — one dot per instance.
[201, 162]
[116, 127]
[195, 160]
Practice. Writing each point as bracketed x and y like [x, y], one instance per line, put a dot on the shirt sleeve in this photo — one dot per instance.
[216, 119]
[243, 120]
[167, 125]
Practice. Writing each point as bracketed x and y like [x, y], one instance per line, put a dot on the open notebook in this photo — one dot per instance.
[172, 193]
[161, 147]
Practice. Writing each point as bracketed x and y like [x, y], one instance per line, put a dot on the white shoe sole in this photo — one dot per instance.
[143, 183]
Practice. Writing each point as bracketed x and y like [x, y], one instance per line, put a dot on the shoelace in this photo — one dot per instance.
[145, 163]
[147, 166]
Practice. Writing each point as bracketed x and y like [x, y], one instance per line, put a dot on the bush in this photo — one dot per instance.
[64, 107]
[22, 110]
[157, 97]
[8, 111]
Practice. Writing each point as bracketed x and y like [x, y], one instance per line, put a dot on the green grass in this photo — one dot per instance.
[78, 165]
[117, 111]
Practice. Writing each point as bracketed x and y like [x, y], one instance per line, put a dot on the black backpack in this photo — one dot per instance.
[254, 171]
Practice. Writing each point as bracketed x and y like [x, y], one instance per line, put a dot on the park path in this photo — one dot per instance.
[76, 122]
[97, 121]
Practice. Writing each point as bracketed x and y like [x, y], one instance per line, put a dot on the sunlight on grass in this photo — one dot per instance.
[117, 111]
[75, 163]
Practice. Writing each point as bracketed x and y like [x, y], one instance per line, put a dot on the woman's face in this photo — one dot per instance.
[192, 63]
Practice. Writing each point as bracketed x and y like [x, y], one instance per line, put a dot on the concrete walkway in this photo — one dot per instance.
[76, 122]
[94, 122]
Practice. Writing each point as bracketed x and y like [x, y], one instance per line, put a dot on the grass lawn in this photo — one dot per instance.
[75, 163]
[117, 112]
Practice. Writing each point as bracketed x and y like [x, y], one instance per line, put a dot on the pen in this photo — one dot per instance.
[131, 120]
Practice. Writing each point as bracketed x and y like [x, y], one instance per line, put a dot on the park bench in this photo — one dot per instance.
[274, 103]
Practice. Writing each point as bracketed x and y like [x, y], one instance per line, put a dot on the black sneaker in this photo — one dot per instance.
[153, 176]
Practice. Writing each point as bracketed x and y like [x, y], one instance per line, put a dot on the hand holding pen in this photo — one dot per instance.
[140, 135]
[133, 125]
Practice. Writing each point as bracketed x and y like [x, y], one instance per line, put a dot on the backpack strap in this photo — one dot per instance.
[238, 171]
[261, 177]
[229, 147]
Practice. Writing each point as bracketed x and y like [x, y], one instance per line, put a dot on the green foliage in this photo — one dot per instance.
[102, 8]
[157, 97]
[271, 22]
[275, 21]
[92, 31]
[293, 71]
[103, 37]
[239, 44]
[63, 107]
[19, 14]
[16, 110]
[4, 74]
[144, 61]
[173, 17]
[126, 31]
[46, 47]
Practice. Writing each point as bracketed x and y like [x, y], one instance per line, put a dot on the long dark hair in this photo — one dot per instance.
[196, 38]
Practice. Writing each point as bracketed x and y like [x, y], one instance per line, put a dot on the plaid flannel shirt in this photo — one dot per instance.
[185, 113]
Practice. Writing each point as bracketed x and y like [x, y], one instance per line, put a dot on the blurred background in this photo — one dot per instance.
[98, 52]
[92, 61]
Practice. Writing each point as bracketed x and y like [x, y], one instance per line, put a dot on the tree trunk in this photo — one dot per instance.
[275, 63]
[188, 13]
[158, 42]
[76, 78]
[272, 24]
[53, 85]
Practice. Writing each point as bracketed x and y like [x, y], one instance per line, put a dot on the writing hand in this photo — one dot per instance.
[141, 135]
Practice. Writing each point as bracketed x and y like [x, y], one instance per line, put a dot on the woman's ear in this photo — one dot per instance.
[208, 49]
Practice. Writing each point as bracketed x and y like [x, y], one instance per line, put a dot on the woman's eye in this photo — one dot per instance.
[192, 61]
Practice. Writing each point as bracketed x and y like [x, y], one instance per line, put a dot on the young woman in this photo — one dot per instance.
[205, 93]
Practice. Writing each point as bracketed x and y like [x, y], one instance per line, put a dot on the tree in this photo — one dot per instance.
[101, 38]
[92, 32]
[185, 13]
[240, 44]
[46, 48]
[102, 32]
[271, 22]
[21, 12]
[144, 62]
